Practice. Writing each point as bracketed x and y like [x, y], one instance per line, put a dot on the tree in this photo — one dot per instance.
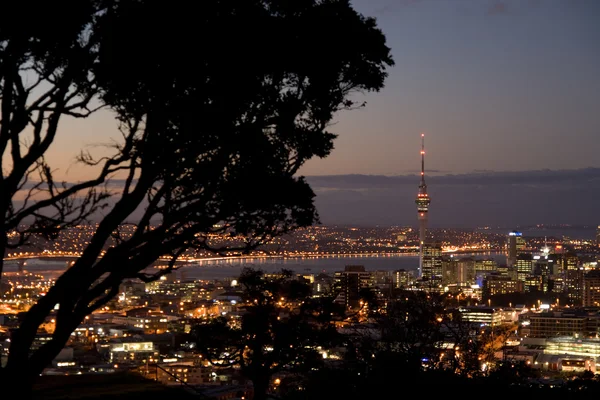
[513, 372]
[218, 110]
[411, 329]
[281, 330]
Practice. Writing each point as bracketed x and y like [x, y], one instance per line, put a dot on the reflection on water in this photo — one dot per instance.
[231, 267]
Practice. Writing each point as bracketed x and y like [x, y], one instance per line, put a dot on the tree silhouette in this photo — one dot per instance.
[218, 108]
[281, 330]
[411, 328]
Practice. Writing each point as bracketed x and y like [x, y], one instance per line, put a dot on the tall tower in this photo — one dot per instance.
[422, 202]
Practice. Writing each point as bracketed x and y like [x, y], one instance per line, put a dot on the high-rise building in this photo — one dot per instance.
[516, 244]
[322, 284]
[524, 264]
[351, 281]
[432, 266]
[485, 266]
[497, 284]
[382, 282]
[544, 266]
[449, 271]
[422, 202]
[573, 277]
[402, 279]
[503, 270]
[458, 271]
[591, 289]
[533, 283]
[466, 270]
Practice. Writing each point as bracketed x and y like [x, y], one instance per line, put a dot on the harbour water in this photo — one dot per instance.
[231, 267]
[226, 268]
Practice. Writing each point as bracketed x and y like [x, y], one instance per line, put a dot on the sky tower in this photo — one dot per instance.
[422, 202]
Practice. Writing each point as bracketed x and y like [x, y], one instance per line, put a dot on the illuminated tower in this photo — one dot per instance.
[422, 201]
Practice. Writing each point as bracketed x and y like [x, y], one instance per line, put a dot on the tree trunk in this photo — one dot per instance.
[23, 337]
[15, 381]
[3, 244]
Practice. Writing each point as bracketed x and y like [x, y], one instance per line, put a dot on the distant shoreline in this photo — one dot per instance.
[342, 255]
[61, 257]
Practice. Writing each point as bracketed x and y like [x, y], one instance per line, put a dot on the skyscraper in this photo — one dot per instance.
[516, 244]
[524, 266]
[402, 278]
[351, 281]
[422, 202]
[432, 266]
[573, 274]
[591, 289]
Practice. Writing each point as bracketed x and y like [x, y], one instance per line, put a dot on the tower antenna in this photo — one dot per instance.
[422, 159]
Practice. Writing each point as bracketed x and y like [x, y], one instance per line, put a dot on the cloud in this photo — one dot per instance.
[462, 200]
[477, 178]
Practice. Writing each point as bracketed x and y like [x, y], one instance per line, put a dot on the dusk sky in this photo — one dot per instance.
[496, 86]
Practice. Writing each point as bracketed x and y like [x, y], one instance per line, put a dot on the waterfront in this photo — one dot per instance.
[231, 267]
[218, 269]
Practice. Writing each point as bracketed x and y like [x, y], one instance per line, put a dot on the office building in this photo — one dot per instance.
[573, 277]
[351, 281]
[432, 266]
[495, 284]
[516, 245]
[591, 289]
[402, 279]
[524, 266]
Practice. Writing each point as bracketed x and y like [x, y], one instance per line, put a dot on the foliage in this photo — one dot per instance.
[513, 372]
[410, 327]
[218, 108]
[281, 330]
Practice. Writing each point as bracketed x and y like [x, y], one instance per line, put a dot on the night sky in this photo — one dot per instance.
[496, 86]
